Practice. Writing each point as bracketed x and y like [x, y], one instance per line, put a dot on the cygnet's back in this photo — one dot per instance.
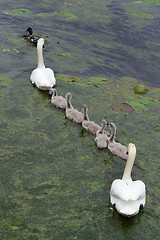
[57, 101]
[90, 126]
[101, 136]
[72, 113]
[115, 147]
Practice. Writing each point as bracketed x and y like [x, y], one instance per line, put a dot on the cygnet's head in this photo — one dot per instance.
[68, 96]
[103, 122]
[111, 125]
[53, 92]
[84, 107]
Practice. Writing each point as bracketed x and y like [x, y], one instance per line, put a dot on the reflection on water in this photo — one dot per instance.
[54, 181]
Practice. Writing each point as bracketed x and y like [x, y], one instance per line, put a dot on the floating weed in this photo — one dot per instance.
[137, 105]
[148, 101]
[4, 81]
[99, 80]
[83, 82]
[7, 50]
[148, 2]
[63, 54]
[58, 13]
[140, 88]
[95, 186]
[142, 15]
[21, 11]
[151, 2]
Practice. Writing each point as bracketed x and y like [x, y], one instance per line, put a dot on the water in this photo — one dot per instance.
[54, 181]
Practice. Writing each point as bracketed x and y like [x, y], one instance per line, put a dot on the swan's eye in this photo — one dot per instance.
[127, 152]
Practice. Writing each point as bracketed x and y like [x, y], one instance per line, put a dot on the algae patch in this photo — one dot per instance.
[21, 11]
[4, 81]
[83, 82]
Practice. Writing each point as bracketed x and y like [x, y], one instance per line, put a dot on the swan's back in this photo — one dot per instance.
[127, 197]
[43, 78]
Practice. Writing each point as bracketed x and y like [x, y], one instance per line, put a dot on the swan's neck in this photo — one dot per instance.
[101, 130]
[128, 168]
[40, 55]
[85, 117]
[69, 105]
[113, 133]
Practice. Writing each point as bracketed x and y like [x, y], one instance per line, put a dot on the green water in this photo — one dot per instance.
[54, 181]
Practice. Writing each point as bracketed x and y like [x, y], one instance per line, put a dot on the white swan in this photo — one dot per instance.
[42, 77]
[101, 136]
[57, 101]
[126, 195]
[115, 147]
[72, 113]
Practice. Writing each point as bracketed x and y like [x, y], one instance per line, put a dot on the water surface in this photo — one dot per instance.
[54, 181]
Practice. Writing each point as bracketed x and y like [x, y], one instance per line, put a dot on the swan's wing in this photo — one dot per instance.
[137, 190]
[132, 191]
[118, 190]
[50, 76]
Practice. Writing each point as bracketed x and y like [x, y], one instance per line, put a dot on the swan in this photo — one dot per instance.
[101, 136]
[42, 77]
[31, 37]
[57, 101]
[115, 147]
[126, 195]
[90, 126]
[72, 113]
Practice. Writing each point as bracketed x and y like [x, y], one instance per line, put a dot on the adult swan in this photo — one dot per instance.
[126, 195]
[42, 77]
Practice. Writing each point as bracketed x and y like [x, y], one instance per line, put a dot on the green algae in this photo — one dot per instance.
[47, 161]
[140, 89]
[21, 11]
[148, 2]
[4, 81]
[58, 13]
[83, 82]
[142, 15]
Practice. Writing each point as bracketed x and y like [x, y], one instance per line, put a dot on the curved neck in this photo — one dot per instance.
[55, 92]
[113, 133]
[128, 168]
[101, 130]
[40, 55]
[85, 117]
[69, 105]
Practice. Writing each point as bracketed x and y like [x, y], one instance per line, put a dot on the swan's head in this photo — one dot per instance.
[41, 41]
[131, 149]
[29, 30]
